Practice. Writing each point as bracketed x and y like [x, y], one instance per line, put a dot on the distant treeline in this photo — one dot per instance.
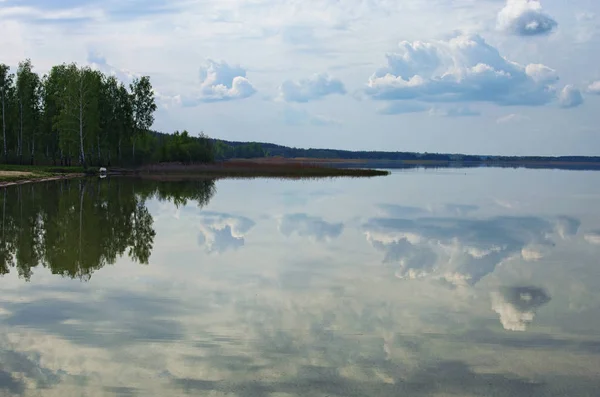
[270, 149]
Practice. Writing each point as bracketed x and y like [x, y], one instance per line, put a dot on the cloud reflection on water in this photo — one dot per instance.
[458, 249]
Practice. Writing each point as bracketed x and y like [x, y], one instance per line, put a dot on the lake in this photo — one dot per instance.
[449, 282]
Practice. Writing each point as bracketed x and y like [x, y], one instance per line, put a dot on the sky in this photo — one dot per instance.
[512, 77]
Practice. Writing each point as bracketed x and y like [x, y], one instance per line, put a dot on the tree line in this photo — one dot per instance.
[78, 115]
[75, 227]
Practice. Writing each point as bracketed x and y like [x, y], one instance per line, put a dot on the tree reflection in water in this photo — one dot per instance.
[75, 227]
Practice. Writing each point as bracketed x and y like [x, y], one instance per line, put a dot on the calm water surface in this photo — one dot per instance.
[479, 282]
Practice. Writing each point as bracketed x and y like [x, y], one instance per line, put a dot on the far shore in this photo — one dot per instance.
[400, 164]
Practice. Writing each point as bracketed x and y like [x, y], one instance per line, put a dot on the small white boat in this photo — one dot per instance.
[102, 172]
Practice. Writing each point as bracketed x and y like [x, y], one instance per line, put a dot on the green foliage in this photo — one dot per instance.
[182, 147]
[224, 151]
[79, 116]
[76, 115]
[6, 93]
[28, 104]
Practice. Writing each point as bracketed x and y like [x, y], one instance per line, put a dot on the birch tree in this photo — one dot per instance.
[79, 116]
[25, 93]
[124, 118]
[143, 105]
[6, 86]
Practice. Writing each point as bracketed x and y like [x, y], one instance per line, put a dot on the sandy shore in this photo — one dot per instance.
[29, 177]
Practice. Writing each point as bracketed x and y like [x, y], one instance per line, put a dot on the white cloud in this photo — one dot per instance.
[570, 97]
[221, 82]
[167, 101]
[525, 18]
[512, 118]
[316, 87]
[541, 73]
[594, 88]
[462, 69]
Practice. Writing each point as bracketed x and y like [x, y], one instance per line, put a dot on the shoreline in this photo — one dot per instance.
[19, 175]
[39, 179]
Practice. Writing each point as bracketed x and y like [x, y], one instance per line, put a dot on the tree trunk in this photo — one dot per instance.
[4, 125]
[119, 154]
[82, 153]
[20, 137]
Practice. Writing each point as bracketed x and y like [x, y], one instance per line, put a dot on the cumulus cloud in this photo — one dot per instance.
[594, 88]
[464, 68]
[517, 306]
[312, 88]
[525, 18]
[541, 73]
[220, 81]
[168, 101]
[570, 97]
[223, 232]
[308, 226]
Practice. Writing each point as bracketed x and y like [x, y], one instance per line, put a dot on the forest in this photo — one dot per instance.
[77, 115]
[75, 227]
